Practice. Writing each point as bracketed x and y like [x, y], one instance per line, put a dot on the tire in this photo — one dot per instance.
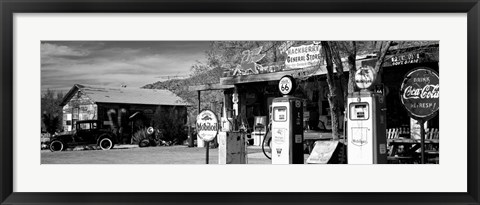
[144, 143]
[105, 144]
[57, 146]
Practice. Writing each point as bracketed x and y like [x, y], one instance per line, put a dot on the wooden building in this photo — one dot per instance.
[135, 106]
[256, 90]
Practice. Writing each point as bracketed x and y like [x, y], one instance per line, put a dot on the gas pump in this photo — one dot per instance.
[287, 125]
[366, 122]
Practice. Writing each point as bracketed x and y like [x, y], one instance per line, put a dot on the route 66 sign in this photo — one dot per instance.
[286, 85]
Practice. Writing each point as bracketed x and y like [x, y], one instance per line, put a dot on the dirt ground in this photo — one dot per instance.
[148, 155]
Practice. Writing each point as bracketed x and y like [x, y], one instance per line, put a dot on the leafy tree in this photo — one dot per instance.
[333, 52]
[169, 120]
[52, 113]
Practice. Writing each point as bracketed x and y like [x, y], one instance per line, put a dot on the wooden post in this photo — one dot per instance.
[422, 139]
[190, 136]
[198, 95]
[198, 112]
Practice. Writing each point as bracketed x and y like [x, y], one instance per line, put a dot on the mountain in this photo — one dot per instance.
[180, 87]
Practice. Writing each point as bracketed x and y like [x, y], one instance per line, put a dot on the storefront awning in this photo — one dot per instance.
[209, 87]
[399, 57]
[296, 73]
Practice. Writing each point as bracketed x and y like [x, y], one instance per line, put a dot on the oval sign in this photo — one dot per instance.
[286, 85]
[235, 98]
[420, 93]
[207, 125]
[365, 77]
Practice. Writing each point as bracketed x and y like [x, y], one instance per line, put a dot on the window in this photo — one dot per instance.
[359, 111]
[84, 126]
[280, 114]
[75, 112]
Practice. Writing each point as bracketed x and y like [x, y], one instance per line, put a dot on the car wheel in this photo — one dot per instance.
[57, 146]
[144, 143]
[105, 144]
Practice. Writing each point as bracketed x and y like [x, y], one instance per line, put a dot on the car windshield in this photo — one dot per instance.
[84, 126]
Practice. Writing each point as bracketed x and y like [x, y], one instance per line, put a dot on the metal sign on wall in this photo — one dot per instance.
[419, 93]
[207, 125]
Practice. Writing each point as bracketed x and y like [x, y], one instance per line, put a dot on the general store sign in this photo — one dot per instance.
[207, 125]
[420, 93]
[303, 56]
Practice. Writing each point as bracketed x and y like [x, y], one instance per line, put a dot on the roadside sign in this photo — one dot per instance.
[286, 85]
[207, 125]
[303, 56]
[419, 93]
[365, 77]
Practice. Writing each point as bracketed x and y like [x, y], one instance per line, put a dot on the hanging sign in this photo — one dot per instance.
[303, 56]
[420, 93]
[207, 125]
[235, 98]
[365, 77]
[286, 85]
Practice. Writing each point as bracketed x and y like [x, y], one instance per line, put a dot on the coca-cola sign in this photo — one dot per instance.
[420, 93]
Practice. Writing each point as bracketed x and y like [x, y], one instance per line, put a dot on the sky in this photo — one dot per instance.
[113, 63]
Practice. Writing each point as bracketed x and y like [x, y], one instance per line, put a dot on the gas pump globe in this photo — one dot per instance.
[366, 122]
[287, 125]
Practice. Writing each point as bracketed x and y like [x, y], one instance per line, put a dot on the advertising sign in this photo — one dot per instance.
[365, 77]
[322, 152]
[286, 85]
[303, 56]
[207, 125]
[420, 93]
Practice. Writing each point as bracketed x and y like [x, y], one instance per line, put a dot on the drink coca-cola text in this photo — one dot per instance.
[427, 92]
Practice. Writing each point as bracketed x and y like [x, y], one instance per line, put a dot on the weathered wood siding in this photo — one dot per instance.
[80, 107]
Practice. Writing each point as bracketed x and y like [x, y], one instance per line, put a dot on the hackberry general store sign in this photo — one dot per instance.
[420, 93]
[303, 56]
[207, 125]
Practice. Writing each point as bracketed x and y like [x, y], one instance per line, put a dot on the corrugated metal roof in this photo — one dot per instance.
[131, 95]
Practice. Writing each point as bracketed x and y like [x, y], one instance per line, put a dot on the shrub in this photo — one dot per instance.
[139, 136]
[171, 122]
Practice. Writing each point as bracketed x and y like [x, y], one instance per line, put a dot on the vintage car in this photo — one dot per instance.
[87, 132]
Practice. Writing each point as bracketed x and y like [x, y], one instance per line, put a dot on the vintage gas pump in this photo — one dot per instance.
[287, 125]
[366, 122]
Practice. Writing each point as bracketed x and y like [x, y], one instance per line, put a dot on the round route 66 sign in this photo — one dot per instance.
[286, 85]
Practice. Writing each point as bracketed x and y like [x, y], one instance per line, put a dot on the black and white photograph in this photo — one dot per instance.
[262, 102]
[240, 102]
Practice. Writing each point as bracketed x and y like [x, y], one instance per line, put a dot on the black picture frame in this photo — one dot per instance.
[10, 7]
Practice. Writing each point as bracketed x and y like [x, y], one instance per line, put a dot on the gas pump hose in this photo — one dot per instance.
[267, 142]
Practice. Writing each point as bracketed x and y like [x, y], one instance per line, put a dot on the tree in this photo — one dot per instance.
[52, 113]
[333, 52]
